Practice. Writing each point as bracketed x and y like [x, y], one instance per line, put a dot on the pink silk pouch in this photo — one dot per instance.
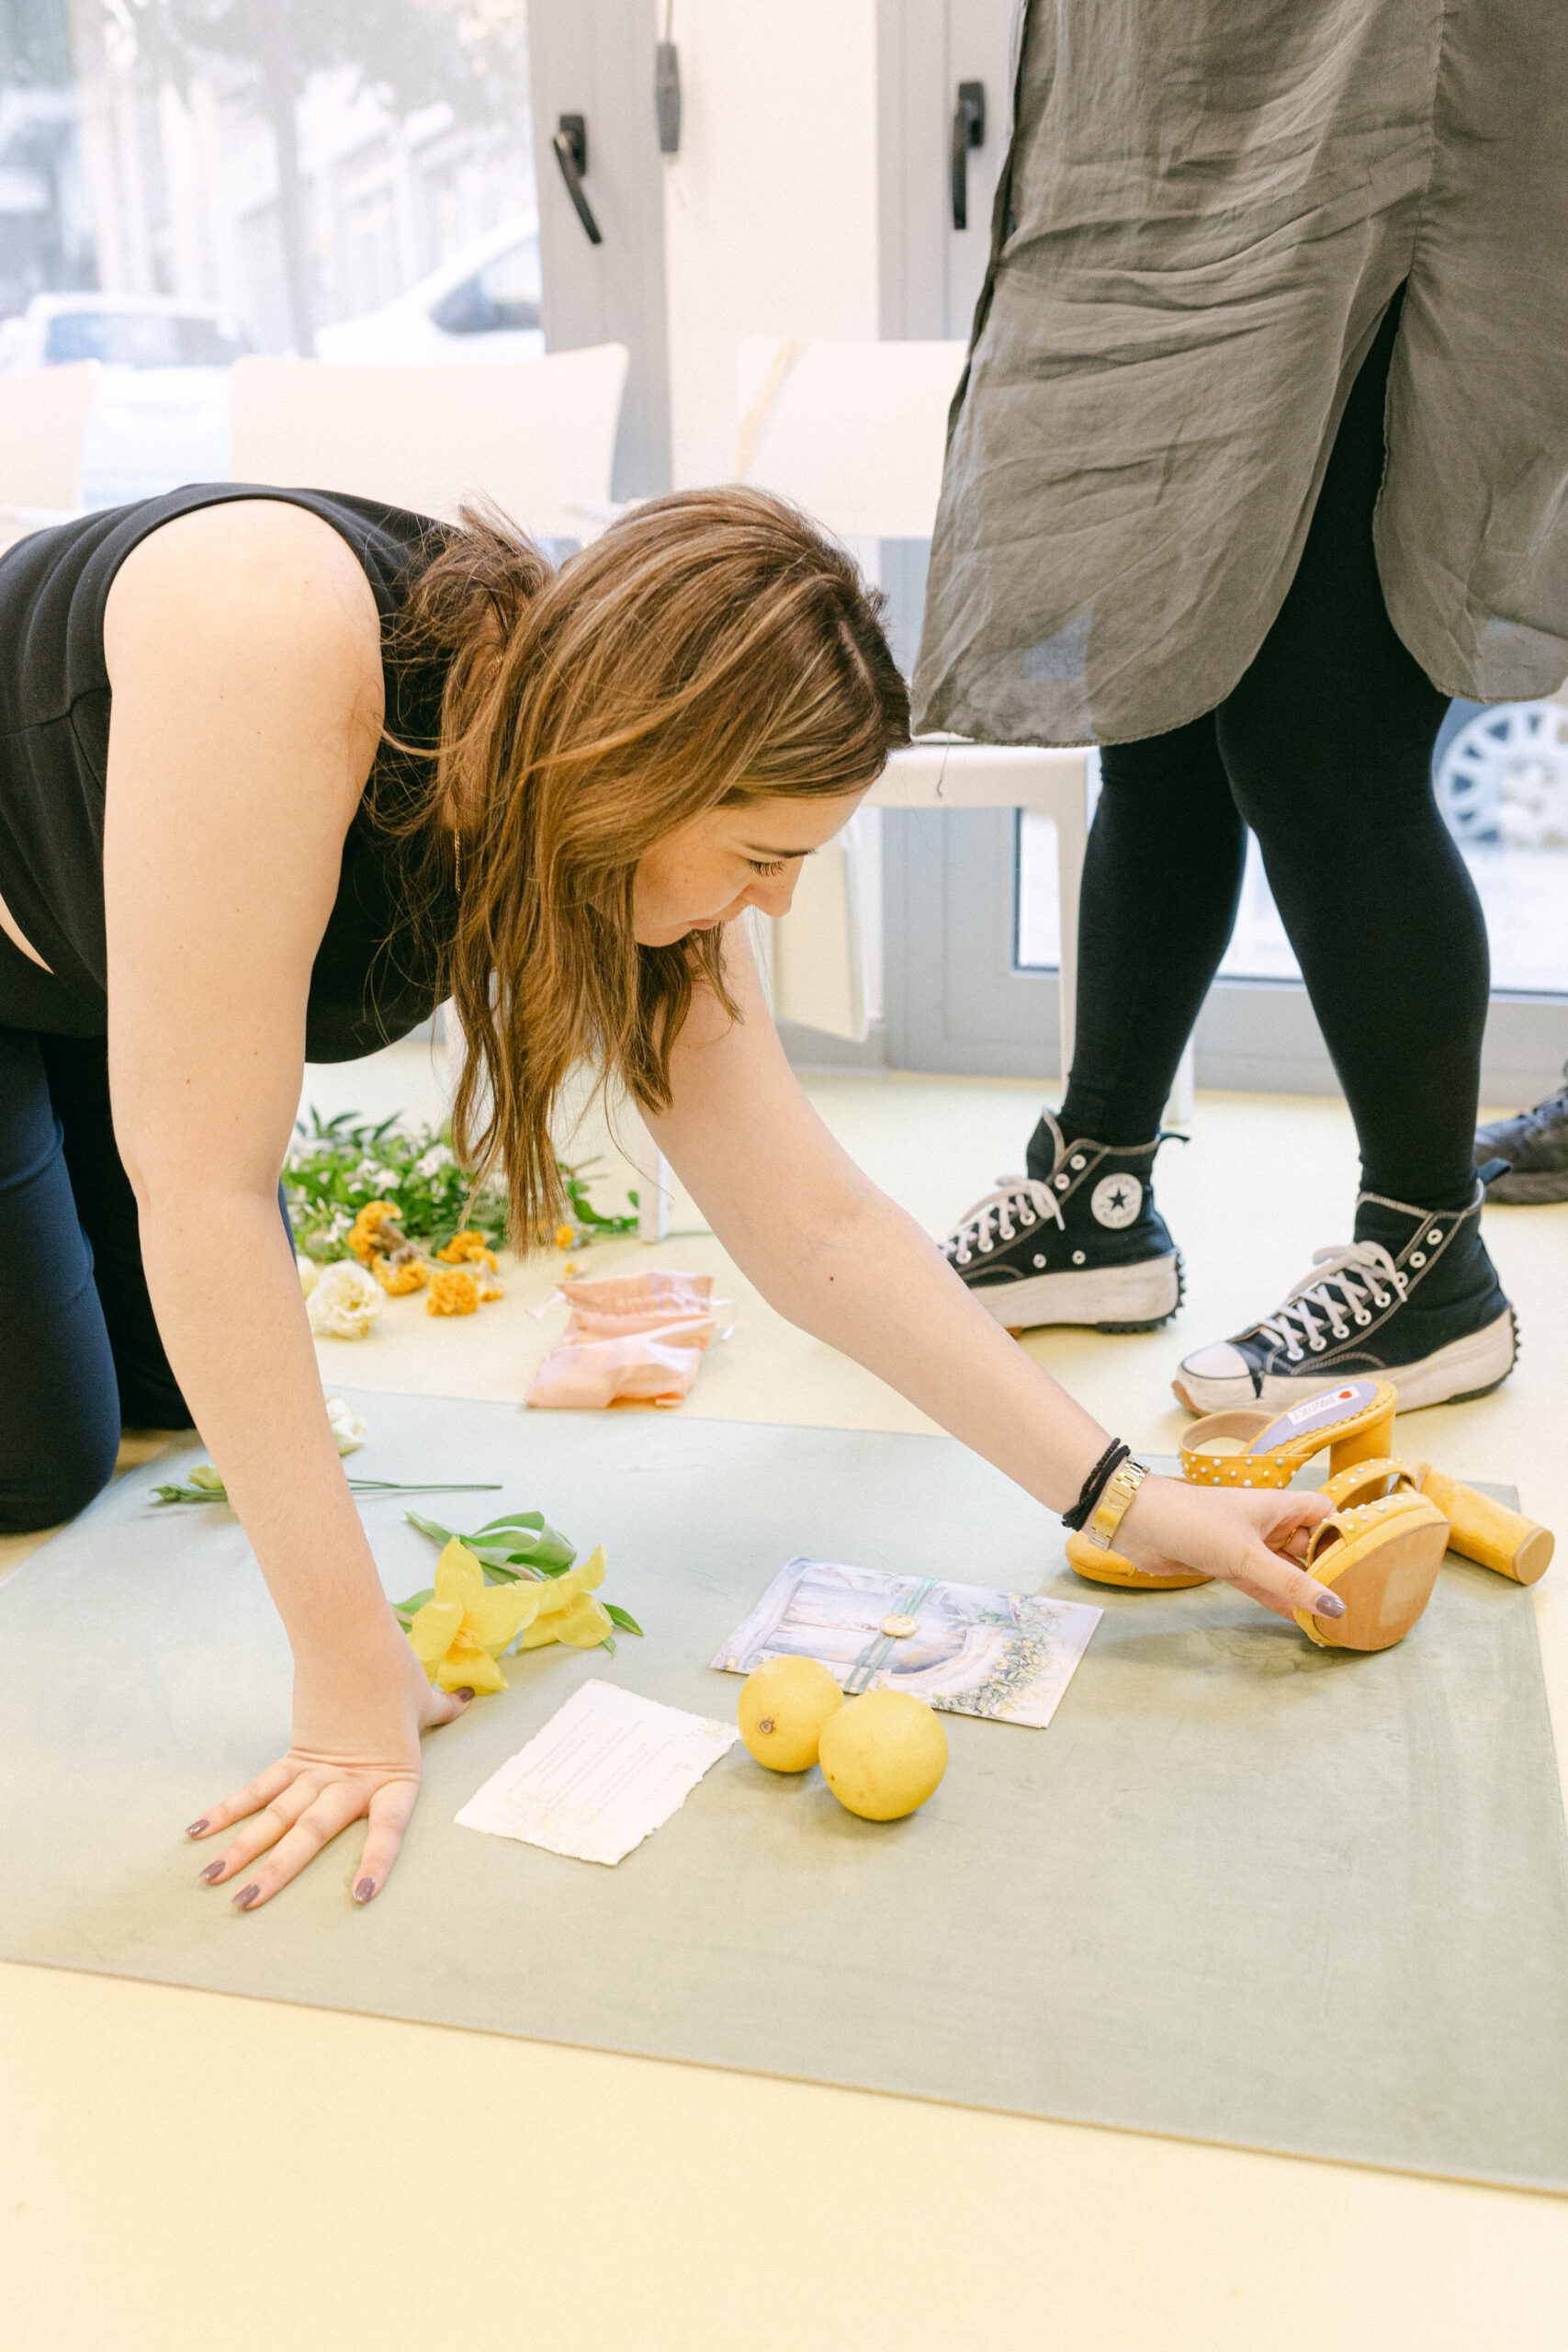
[631, 1339]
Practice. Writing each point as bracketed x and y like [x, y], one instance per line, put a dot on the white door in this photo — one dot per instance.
[979, 113]
[601, 209]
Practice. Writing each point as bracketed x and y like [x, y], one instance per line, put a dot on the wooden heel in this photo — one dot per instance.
[1487, 1531]
[1374, 1443]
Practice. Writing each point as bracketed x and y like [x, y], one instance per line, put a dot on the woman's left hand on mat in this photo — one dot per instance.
[354, 1754]
[1253, 1541]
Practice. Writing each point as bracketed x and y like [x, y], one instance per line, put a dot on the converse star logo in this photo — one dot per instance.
[1115, 1201]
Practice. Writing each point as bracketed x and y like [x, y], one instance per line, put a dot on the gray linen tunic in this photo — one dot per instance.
[1207, 207]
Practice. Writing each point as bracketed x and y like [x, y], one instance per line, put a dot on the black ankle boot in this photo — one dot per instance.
[1077, 1240]
[1414, 1297]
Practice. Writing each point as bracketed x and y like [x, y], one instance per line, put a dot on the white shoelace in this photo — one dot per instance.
[1357, 1277]
[1018, 1202]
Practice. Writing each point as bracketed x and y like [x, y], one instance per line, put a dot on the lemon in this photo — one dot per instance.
[883, 1754]
[783, 1709]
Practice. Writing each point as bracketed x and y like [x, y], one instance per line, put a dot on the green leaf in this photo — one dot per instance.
[621, 1617]
[431, 1527]
[608, 1644]
[537, 1544]
[415, 1600]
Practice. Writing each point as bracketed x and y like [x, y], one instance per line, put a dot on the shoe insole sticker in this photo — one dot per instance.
[1317, 1413]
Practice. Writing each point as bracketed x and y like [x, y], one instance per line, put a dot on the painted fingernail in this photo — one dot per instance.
[462, 1694]
[365, 1890]
[1330, 1606]
[213, 1870]
[246, 1896]
[196, 1827]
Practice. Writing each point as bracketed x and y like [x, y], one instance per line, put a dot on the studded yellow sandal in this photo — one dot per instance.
[1381, 1557]
[1481, 1529]
[1355, 1422]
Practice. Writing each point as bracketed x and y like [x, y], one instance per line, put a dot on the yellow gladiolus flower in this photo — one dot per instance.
[462, 1630]
[568, 1611]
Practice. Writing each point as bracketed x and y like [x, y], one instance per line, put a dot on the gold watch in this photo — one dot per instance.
[1114, 1503]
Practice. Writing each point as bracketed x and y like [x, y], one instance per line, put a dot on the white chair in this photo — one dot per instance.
[43, 433]
[535, 436]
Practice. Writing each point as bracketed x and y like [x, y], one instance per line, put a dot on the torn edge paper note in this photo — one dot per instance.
[608, 1767]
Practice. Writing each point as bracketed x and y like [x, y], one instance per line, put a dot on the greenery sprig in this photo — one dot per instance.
[207, 1486]
[338, 1166]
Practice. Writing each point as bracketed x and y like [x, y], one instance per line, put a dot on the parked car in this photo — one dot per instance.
[482, 305]
[160, 415]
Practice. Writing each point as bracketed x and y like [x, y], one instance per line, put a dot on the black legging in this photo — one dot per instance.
[79, 1347]
[1324, 749]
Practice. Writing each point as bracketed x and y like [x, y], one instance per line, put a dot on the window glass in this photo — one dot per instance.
[308, 176]
[502, 295]
[144, 339]
[1501, 779]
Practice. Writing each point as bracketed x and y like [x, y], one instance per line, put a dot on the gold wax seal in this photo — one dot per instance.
[898, 1628]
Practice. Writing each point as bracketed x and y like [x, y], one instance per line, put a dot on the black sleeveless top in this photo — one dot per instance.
[373, 979]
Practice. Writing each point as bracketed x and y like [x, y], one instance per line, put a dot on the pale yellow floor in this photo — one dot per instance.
[182, 2170]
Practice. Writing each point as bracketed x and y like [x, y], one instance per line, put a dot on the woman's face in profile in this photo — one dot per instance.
[711, 869]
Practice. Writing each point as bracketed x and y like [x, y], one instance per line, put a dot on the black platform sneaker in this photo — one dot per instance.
[1414, 1297]
[1078, 1241]
[1532, 1148]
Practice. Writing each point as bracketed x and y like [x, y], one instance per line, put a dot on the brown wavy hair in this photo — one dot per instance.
[710, 649]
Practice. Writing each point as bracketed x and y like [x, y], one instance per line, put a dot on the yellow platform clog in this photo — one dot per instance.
[1110, 1568]
[1381, 1558]
[1354, 1421]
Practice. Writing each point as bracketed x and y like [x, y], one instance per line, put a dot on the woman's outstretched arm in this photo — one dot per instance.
[842, 1261]
[243, 648]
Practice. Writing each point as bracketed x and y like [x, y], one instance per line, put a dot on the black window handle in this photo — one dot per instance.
[968, 131]
[570, 143]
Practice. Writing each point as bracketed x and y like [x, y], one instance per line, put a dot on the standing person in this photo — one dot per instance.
[279, 770]
[1260, 456]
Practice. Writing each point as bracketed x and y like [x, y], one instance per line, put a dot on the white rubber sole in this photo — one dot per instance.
[1466, 1367]
[1140, 1295]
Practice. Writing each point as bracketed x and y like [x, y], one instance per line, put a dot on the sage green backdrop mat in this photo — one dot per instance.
[1242, 1889]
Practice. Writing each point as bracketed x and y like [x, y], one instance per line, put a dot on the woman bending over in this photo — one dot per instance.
[281, 770]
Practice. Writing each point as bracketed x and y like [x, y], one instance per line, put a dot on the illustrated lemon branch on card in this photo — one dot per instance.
[460, 1626]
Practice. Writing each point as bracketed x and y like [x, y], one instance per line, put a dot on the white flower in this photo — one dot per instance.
[347, 1426]
[344, 1303]
[310, 1273]
[434, 1161]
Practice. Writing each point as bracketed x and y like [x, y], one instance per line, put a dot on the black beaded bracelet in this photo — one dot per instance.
[1094, 1485]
